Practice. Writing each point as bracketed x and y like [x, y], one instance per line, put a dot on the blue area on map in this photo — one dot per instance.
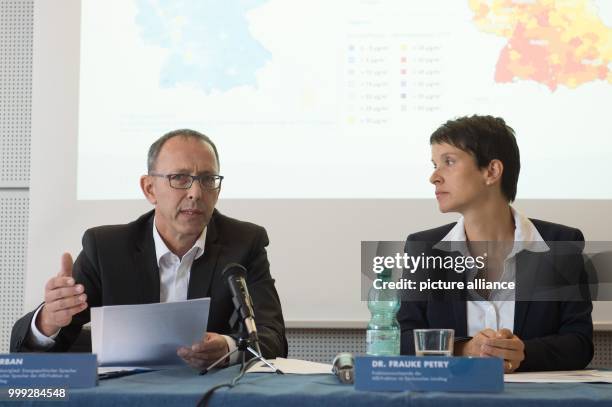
[209, 42]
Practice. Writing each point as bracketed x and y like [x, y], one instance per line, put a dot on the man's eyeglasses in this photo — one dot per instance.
[184, 181]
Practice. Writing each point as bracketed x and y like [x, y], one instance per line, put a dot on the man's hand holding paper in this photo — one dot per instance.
[205, 352]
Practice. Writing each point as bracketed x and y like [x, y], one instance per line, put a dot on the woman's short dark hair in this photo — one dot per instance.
[486, 138]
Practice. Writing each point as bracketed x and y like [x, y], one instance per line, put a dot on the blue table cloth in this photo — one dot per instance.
[184, 387]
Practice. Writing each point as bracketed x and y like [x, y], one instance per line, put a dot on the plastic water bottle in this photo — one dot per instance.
[383, 334]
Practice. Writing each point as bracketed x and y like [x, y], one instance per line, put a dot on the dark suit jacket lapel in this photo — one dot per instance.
[527, 266]
[458, 299]
[205, 267]
[145, 262]
[460, 311]
[460, 306]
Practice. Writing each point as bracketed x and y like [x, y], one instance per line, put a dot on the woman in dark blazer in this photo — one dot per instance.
[476, 167]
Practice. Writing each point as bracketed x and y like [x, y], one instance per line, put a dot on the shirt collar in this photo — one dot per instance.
[161, 249]
[526, 236]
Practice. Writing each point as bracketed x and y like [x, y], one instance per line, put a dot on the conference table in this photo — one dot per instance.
[183, 386]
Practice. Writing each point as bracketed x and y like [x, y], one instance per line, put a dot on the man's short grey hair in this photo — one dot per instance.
[187, 133]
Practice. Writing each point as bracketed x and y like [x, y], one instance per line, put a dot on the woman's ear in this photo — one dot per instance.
[493, 172]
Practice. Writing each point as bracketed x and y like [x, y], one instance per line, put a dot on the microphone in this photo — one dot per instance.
[343, 368]
[234, 275]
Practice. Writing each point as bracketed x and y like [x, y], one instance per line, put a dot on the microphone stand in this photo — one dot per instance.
[246, 343]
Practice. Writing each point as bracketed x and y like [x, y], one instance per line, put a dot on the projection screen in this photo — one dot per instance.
[321, 112]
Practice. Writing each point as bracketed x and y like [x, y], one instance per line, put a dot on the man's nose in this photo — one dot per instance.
[195, 192]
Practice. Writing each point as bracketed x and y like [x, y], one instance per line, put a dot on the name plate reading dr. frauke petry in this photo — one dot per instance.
[66, 370]
[400, 373]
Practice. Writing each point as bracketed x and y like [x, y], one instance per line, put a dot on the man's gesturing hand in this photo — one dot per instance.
[63, 299]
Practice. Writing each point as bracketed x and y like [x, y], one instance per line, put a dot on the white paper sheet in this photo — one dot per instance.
[147, 334]
[117, 369]
[292, 366]
[569, 376]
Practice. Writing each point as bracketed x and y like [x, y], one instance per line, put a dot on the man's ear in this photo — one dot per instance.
[146, 184]
[494, 171]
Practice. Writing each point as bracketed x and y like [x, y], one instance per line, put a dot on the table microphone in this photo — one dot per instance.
[234, 275]
[343, 368]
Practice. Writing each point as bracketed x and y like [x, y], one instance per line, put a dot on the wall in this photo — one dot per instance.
[16, 34]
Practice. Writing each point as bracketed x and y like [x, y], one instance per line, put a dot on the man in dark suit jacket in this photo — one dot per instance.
[122, 264]
[558, 335]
